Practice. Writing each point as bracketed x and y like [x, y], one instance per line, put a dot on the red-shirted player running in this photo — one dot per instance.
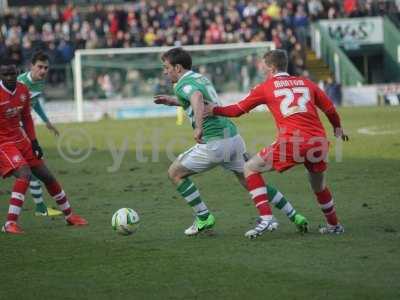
[301, 138]
[20, 152]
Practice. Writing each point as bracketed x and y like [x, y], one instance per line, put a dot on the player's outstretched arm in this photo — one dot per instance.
[230, 111]
[166, 100]
[233, 110]
[254, 98]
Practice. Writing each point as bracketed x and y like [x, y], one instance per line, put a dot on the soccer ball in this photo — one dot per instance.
[125, 221]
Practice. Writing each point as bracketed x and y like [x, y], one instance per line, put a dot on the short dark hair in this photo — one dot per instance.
[39, 56]
[178, 56]
[277, 58]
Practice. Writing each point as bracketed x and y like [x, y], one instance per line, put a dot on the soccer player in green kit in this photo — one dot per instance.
[35, 81]
[218, 143]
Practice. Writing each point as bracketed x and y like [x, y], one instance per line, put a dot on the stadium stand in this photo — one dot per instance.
[63, 29]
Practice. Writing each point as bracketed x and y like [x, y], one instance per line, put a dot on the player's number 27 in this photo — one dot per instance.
[287, 109]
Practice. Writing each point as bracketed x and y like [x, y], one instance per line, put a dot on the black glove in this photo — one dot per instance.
[37, 150]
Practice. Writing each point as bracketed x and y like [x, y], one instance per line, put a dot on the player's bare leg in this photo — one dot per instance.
[21, 185]
[325, 200]
[279, 201]
[242, 180]
[55, 190]
[257, 188]
[179, 175]
[177, 172]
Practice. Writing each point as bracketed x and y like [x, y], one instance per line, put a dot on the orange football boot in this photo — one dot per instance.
[12, 228]
[76, 220]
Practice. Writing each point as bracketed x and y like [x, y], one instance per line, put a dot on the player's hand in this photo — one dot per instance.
[198, 135]
[339, 133]
[208, 109]
[164, 99]
[52, 128]
[37, 150]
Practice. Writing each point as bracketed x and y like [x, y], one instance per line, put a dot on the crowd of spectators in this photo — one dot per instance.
[61, 30]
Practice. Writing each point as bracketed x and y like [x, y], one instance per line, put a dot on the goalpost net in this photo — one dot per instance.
[120, 83]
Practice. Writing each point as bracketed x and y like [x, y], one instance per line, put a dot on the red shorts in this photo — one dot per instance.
[281, 156]
[15, 155]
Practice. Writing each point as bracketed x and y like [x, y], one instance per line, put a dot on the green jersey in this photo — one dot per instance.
[35, 88]
[214, 127]
[36, 92]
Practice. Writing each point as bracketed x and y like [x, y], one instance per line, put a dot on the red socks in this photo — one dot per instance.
[327, 205]
[58, 194]
[17, 199]
[258, 191]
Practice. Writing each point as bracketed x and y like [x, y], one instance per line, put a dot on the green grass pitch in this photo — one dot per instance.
[53, 261]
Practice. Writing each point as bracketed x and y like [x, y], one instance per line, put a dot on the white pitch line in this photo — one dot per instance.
[375, 130]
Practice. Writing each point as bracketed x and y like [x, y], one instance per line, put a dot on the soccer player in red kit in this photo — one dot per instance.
[20, 152]
[301, 138]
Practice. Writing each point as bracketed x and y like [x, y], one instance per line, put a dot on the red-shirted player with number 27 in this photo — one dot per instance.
[20, 152]
[301, 138]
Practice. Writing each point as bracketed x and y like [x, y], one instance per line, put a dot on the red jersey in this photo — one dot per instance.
[293, 102]
[15, 110]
